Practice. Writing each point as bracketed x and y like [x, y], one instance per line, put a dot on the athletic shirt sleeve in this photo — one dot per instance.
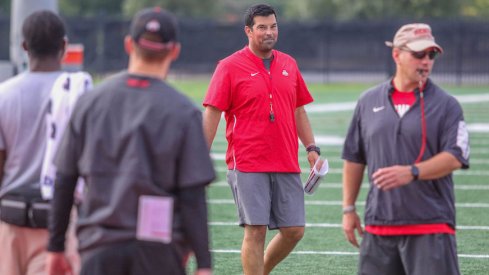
[303, 95]
[219, 91]
[194, 163]
[455, 136]
[353, 147]
[67, 155]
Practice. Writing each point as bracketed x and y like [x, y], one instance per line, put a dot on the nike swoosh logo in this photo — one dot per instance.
[253, 74]
[377, 109]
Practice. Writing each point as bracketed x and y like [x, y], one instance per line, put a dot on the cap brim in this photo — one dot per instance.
[421, 45]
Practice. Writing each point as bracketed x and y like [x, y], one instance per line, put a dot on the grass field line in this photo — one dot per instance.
[474, 98]
[333, 147]
[478, 142]
[337, 185]
[348, 106]
[340, 171]
[479, 161]
[339, 203]
[222, 156]
[337, 225]
[337, 253]
[481, 151]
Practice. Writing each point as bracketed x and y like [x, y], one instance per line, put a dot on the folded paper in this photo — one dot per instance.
[317, 173]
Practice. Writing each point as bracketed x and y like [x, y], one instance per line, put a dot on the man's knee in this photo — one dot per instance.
[256, 233]
[292, 234]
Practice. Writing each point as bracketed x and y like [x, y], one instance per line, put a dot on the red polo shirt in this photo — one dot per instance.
[243, 88]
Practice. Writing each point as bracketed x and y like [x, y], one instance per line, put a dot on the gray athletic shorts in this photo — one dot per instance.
[430, 254]
[273, 199]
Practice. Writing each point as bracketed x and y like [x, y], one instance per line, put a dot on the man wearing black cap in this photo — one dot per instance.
[412, 135]
[139, 145]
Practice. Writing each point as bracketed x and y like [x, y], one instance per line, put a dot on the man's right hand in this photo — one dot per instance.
[351, 222]
[57, 264]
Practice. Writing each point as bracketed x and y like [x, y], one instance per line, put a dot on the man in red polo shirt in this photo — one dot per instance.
[262, 93]
[411, 135]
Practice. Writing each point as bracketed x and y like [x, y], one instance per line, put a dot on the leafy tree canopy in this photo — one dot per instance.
[232, 10]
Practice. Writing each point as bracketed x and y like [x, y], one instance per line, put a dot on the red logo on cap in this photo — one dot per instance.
[422, 32]
[153, 26]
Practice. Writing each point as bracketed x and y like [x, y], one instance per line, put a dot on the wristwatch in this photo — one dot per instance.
[414, 172]
[314, 148]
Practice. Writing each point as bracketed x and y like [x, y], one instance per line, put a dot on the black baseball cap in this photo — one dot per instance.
[154, 29]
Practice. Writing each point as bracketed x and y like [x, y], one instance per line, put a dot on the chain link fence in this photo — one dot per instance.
[325, 51]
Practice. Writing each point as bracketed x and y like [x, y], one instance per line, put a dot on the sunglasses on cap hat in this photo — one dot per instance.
[432, 54]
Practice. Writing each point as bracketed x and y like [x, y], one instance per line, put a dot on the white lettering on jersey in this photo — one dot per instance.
[401, 109]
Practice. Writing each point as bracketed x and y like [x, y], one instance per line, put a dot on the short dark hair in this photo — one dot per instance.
[257, 10]
[44, 33]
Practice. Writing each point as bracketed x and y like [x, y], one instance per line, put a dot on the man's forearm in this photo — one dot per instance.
[352, 180]
[194, 215]
[211, 119]
[304, 129]
[438, 166]
[3, 156]
[59, 216]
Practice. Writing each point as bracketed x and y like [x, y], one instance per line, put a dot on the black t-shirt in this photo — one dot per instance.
[131, 136]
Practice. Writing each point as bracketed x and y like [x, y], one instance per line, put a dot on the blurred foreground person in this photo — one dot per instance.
[139, 146]
[25, 104]
[412, 135]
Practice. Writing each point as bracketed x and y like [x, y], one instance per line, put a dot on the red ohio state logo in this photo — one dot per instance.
[420, 32]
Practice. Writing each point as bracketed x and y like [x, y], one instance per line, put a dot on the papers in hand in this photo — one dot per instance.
[319, 170]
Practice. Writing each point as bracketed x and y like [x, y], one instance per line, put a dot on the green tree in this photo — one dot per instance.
[476, 8]
[90, 7]
[232, 10]
[5, 7]
[371, 9]
[184, 8]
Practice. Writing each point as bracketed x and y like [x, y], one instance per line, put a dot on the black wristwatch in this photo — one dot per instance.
[314, 148]
[414, 172]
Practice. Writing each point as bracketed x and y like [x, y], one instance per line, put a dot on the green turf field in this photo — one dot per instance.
[324, 249]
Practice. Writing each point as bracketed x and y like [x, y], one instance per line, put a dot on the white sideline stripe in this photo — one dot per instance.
[235, 251]
[474, 141]
[474, 98]
[480, 151]
[330, 107]
[339, 203]
[478, 127]
[365, 186]
[337, 225]
[347, 106]
[220, 156]
[473, 256]
[479, 161]
[340, 171]
[336, 253]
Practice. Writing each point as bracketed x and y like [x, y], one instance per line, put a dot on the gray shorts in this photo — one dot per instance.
[429, 254]
[273, 199]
